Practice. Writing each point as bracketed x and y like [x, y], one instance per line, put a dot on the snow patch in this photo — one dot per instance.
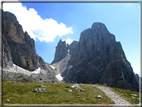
[68, 50]
[37, 71]
[14, 65]
[52, 67]
[70, 67]
[59, 77]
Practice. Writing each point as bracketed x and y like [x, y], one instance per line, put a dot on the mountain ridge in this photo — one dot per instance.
[99, 58]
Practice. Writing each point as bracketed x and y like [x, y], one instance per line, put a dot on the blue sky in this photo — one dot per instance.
[121, 19]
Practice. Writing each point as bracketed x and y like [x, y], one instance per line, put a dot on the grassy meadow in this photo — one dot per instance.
[56, 93]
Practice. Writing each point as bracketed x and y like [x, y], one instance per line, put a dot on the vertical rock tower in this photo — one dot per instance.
[99, 58]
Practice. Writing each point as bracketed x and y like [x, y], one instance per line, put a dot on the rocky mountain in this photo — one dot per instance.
[96, 58]
[19, 52]
[62, 56]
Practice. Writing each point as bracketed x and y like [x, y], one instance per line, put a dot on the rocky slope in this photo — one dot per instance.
[19, 50]
[97, 58]
[62, 56]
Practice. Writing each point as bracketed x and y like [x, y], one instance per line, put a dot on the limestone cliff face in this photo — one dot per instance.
[99, 58]
[22, 47]
[62, 49]
[7, 58]
[19, 48]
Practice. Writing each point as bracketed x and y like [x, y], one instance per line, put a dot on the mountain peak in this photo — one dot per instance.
[68, 41]
[98, 26]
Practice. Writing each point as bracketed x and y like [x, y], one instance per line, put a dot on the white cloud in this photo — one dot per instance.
[68, 41]
[37, 28]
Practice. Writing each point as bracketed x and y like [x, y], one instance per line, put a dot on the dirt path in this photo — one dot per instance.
[111, 94]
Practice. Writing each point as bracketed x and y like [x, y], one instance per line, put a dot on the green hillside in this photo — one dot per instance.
[56, 93]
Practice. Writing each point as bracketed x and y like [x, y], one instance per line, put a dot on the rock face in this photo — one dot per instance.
[19, 48]
[99, 58]
[62, 57]
[21, 45]
[62, 49]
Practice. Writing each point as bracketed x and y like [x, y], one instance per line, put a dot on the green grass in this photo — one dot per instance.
[56, 93]
[126, 94]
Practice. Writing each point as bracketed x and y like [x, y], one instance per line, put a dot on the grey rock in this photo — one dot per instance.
[134, 95]
[43, 89]
[7, 100]
[99, 96]
[35, 90]
[69, 90]
[75, 86]
[40, 90]
[82, 89]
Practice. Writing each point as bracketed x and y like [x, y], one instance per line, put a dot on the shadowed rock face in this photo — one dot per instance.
[62, 49]
[22, 47]
[19, 48]
[99, 58]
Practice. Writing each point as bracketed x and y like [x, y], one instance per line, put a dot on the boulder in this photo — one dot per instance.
[99, 96]
[35, 90]
[75, 86]
[40, 90]
[82, 89]
[7, 100]
[69, 90]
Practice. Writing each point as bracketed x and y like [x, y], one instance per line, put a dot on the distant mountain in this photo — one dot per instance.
[19, 50]
[62, 49]
[96, 58]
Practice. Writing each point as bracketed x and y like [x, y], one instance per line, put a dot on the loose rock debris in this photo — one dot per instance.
[43, 88]
[77, 86]
[116, 98]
